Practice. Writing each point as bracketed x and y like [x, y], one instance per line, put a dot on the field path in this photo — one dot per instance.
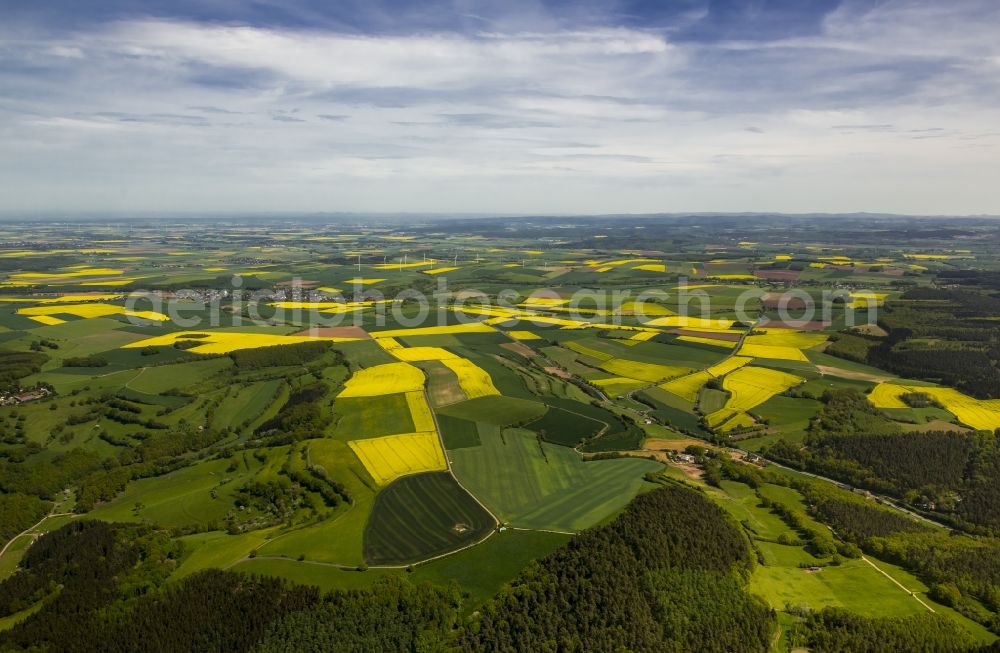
[903, 587]
[31, 529]
[827, 370]
[135, 377]
[447, 460]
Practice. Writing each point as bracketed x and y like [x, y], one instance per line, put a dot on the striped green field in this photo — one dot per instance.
[421, 516]
[533, 484]
[245, 404]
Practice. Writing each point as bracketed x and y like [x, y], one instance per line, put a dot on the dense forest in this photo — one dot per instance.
[947, 336]
[833, 629]
[281, 355]
[956, 475]
[668, 574]
[15, 365]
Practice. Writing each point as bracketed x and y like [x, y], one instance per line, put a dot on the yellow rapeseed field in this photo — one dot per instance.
[403, 266]
[651, 267]
[788, 338]
[47, 319]
[587, 351]
[544, 301]
[420, 412]
[687, 387]
[415, 354]
[783, 344]
[91, 310]
[930, 257]
[524, 335]
[385, 379]
[110, 283]
[728, 365]
[472, 379]
[685, 322]
[643, 308]
[695, 286]
[223, 342]
[387, 458]
[389, 343]
[54, 276]
[617, 385]
[439, 270]
[978, 413]
[472, 327]
[867, 299]
[707, 341]
[774, 352]
[732, 277]
[748, 387]
[644, 335]
[649, 372]
[538, 319]
[357, 281]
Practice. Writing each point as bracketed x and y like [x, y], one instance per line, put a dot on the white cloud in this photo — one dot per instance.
[159, 114]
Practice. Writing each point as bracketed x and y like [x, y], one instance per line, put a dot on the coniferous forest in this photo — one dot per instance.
[669, 574]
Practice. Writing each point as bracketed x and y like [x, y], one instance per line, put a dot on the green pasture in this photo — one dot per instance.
[533, 484]
[500, 410]
[420, 516]
[369, 417]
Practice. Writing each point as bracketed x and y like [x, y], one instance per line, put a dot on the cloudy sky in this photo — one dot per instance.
[520, 106]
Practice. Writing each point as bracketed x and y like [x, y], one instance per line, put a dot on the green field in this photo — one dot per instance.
[173, 440]
[215, 550]
[533, 484]
[854, 585]
[184, 497]
[338, 539]
[369, 417]
[422, 516]
[562, 426]
[672, 410]
[458, 433]
[245, 404]
[482, 570]
[789, 415]
[500, 410]
[154, 380]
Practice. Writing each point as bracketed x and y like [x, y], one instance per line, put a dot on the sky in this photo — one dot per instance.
[521, 106]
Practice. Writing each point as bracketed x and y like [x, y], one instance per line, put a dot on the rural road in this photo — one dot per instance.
[32, 528]
[903, 587]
